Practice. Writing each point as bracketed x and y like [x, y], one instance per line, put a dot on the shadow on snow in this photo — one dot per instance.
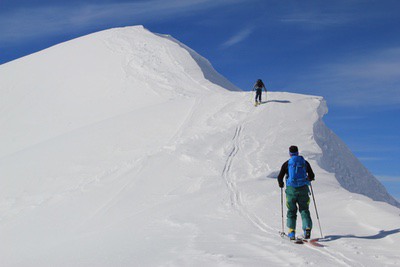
[380, 235]
[276, 101]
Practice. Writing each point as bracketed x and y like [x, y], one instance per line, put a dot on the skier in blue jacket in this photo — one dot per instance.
[298, 176]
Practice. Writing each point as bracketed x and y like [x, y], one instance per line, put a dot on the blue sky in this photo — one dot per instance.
[346, 51]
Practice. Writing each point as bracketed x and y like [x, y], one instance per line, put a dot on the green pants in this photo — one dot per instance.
[298, 197]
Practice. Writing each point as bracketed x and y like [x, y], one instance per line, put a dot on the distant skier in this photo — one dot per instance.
[258, 86]
[298, 176]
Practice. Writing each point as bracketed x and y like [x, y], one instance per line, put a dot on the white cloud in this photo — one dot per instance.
[238, 37]
[36, 22]
[386, 178]
[318, 15]
[371, 159]
[315, 19]
[370, 80]
[382, 65]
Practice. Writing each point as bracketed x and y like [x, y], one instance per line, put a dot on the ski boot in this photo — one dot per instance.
[307, 233]
[292, 234]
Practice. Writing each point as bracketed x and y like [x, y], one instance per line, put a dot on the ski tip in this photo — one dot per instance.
[297, 241]
[313, 242]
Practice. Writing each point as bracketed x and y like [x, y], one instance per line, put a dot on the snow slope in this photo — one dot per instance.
[121, 148]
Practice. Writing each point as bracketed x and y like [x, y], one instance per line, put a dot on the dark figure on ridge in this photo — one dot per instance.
[258, 86]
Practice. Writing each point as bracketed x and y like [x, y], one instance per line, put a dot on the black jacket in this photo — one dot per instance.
[284, 171]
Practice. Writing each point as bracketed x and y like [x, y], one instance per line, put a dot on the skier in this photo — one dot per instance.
[258, 86]
[298, 176]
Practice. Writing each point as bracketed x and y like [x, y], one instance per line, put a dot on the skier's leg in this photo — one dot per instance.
[291, 200]
[259, 96]
[304, 202]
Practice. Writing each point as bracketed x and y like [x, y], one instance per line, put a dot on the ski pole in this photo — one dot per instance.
[316, 211]
[283, 228]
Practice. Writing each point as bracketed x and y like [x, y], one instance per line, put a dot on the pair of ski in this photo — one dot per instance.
[301, 240]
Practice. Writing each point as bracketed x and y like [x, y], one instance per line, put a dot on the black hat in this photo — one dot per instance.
[293, 150]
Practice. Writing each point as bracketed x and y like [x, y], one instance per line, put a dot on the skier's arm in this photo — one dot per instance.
[282, 173]
[310, 172]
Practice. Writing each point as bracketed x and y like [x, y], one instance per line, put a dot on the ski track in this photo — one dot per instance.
[233, 192]
[235, 195]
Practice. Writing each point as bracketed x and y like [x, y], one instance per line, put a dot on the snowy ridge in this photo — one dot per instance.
[338, 159]
[117, 149]
[206, 68]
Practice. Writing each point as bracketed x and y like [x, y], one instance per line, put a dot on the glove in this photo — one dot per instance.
[310, 179]
[281, 184]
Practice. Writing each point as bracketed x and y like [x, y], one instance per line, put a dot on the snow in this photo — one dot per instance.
[126, 148]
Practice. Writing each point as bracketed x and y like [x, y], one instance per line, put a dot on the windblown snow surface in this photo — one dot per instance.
[126, 148]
